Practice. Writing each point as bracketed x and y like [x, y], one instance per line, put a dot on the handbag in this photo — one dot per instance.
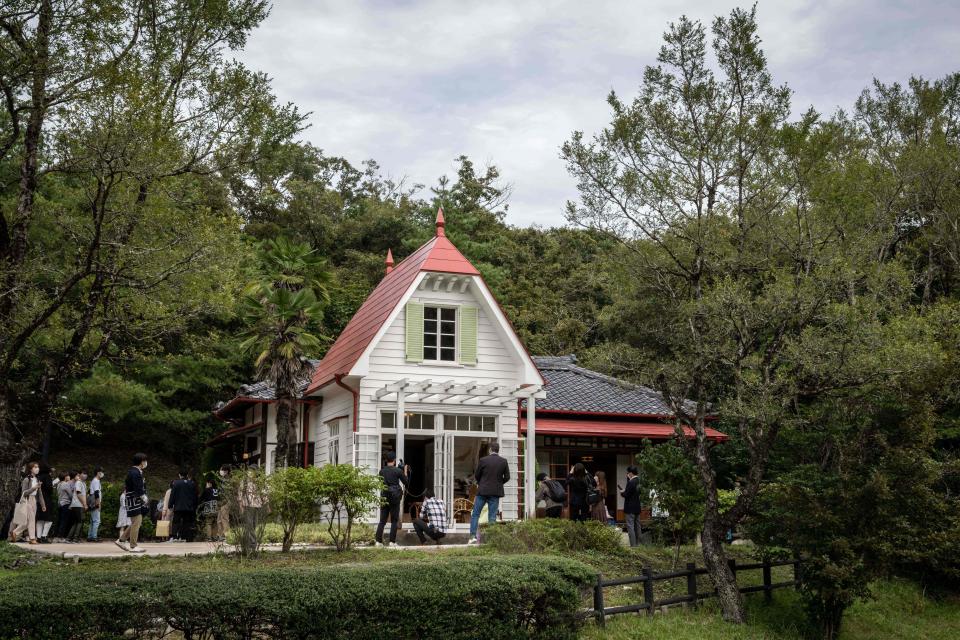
[163, 529]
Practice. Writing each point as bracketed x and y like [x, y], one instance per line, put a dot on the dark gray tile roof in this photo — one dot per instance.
[264, 391]
[573, 388]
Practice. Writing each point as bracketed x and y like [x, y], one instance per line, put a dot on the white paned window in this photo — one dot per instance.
[333, 444]
[424, 421]
[487, 424]
[440, 334]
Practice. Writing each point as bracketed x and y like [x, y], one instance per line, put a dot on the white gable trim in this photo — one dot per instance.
[362, 366]
[530, 373]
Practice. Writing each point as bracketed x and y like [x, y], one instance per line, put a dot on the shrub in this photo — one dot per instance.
[346, 493]
[294, 498]
[515, 597]
[552, 535]
[247, 497]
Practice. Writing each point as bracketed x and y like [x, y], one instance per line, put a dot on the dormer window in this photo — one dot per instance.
[440, 333]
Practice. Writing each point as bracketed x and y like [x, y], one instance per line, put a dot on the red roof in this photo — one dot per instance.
[437, 255]
[588, 426]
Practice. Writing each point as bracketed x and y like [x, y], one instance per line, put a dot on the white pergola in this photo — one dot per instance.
[471, 394]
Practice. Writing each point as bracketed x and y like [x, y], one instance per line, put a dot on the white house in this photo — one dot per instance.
[431, 344]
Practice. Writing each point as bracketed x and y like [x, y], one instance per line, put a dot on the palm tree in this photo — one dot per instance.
[281, 308]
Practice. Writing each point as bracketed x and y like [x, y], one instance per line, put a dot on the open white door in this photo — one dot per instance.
[443, 471]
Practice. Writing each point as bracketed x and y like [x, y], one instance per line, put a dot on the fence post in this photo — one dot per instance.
[767, 581]
[648, 589]
[692, 582]
[598, 612]
[797, 574]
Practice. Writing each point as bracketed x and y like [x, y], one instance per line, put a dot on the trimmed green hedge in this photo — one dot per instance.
[488, 597]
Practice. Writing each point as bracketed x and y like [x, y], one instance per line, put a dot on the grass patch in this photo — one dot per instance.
[899, 611]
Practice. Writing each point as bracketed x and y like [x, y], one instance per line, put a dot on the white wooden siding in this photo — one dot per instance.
[337, 401]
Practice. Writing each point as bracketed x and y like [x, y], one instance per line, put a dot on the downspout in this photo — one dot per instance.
[338, 378]
[305, 413]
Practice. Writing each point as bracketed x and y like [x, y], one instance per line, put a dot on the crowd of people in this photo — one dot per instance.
[185, 505]
[588, 494]
[585, 493]
[57, 507]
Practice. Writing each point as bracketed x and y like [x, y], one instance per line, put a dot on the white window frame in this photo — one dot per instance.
[456, 333]
[333, 440]
[406, 424]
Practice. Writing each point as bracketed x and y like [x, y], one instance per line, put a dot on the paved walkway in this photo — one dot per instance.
[107, 549]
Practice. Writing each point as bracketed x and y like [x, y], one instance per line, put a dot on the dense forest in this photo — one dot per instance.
[797, 275]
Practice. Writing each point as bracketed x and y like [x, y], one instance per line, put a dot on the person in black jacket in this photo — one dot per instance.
[632, 506]
[183, 502]
[492, 473]
[45, 516]
[137, 503]
[392, 496]
[578, 484]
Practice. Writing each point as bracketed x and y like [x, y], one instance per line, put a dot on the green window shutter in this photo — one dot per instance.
[414, 326]
[468, 335]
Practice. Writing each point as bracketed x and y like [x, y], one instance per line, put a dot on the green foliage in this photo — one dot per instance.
[246, 493]
[553, 535]
[295, 495]
[517, 597]
[667, 470]
[346, 493]
[315, 533]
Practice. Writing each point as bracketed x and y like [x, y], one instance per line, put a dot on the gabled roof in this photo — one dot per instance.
[437, 255]
[572, 388]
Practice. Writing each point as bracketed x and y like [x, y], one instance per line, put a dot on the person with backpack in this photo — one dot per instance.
[552, 493]
[580, 487]
[393, 482]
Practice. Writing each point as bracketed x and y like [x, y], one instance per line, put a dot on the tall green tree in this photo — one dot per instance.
[282, 309]
[754, 297]
[134, 112]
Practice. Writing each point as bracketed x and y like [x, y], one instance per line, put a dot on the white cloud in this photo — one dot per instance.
[414, 84]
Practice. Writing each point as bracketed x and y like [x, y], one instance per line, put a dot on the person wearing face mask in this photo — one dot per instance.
[25, 518]
[93, 504]
[137, 503]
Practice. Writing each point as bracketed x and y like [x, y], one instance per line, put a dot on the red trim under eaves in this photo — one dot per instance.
[233, 432]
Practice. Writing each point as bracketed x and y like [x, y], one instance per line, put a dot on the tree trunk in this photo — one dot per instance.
[283, 433]
[714, 556]
[718, 568]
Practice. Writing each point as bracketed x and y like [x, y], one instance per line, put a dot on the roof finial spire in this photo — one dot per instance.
[440, 223]
[389, 261]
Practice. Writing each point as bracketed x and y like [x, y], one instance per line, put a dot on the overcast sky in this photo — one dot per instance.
[414, 84]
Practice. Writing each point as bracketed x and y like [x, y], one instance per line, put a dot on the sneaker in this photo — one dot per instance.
[122, 544]
[378, 544]
[473, 541]
[136, 549]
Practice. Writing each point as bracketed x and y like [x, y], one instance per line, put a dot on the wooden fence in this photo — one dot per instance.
[648, 578]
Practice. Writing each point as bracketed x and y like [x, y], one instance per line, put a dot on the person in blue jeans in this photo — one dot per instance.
[492, 473]
[94, 501]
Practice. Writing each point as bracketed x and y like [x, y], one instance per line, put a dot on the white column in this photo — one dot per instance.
[530, 468]
[401, 421]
